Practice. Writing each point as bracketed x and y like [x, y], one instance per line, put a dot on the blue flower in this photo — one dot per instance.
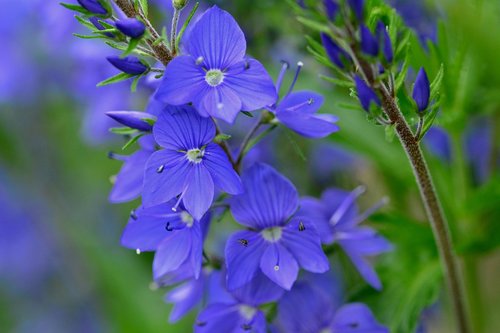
[332, 8]
[337, 219]
[131, 27]
[93, 6]
[190, 165]
[133, 119]
[365, 94]
[129, 65]
[297, 111]
[358, 7]
[369, 44]
[336, 54]
[385, 40]
[215, 75]
[422, 90]
[438, 142]
[176, 237]
[278, 243]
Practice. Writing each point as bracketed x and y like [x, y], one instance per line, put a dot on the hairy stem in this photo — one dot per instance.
[160, 50]
[173, 31]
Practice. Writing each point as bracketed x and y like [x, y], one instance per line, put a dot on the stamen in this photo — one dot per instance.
[310, 101]
[384, 201]
[220, 106]
[302, 227]
[133, 214]
[346, 204]
[117, 157]
[168, 228]
[178, 201]
[160, 169]
[199, 60]
[243, 242]
[247, 65]
[300, 64]
[138, 251]
[279, 81]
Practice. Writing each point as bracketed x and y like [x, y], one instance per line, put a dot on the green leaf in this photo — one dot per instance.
[123, 130]
[132, 45]
[248, 114]
[313, 24]
[114, 79]
[436, 83]
[295, 146]
[222, 137]
[86, 23]
[338, 82]
[143, 5]
[75, 8]
[185, 25]
[135, 82]
[132, 141]
[89, 36]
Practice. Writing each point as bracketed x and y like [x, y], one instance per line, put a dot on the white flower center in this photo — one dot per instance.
[214, 77]
[272, 234]
[247, 312]
[195, 155]
[187, 219]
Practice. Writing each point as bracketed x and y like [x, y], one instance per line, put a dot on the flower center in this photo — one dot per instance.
[272, 234]
[187, 219]
[214, 77]
[247, 312]
[195, 155]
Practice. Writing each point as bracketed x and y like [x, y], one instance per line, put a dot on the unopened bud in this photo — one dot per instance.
[179, 4]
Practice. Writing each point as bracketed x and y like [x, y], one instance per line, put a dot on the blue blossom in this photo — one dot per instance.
[369, 44]
[93, 6]
[365, 94]
[214, 74]
[422, 90]
[385, 41]
[337, 220]
[130, 65]
[334, 52]
[190, 166]
[277, 242]
[332, 8]
[297, 110]
[133, 119]
[175, 236]
[438, 142]
[358, 7]
[131, 27]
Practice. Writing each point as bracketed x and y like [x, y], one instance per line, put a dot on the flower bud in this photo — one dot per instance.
[93, 6]
[357, 7]
[365, 94]
[369, 44]
[336, 54]
[422, 90]
[131, 27]
[179, 4]
[129, 65]
[95, 21]
[385, 41]
[133, 119]
[332, 8]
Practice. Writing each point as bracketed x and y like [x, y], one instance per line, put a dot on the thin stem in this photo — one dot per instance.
[225, 146]
[173, 31]
[418, 134]
[246, 141]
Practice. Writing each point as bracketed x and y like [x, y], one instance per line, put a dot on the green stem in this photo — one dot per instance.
[173, 31]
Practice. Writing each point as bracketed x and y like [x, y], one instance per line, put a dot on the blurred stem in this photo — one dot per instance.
[474, 293]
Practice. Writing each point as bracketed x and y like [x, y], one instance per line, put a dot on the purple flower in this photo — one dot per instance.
[385, 40]
[438, 142]
[335, 53]
[133, 119]
[95, 21]
[130, 65]
[215, 75]
[365, 94]
[337, 220]
[93, 6]
[128, 183]
[421, 90]
[297, 110]
[277, 243]
[357, 7]
[131, 27]
[369, 44]
[176, 237]
[190, 165]
[332, 8]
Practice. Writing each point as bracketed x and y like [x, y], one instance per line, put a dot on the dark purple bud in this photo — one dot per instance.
[365, 94]
[357, 7]
[129, 65]
[332, 8]
[301, 3]
[385, 40]
[369, 44]
[422, 90]
[131, 27]
[95, 21]
[93, 6]
[133, 119]
[336, 54]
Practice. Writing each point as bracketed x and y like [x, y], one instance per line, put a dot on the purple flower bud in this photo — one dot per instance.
[133, 119]
[385, 40]
[332, 8]
[357, 7]
[421, 90]
[93, 6]
[365, 94]
[336, 54]
[95, 21]
[369, 44]
[131, 27]
[129, 65]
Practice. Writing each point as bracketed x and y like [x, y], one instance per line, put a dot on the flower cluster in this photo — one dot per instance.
[188, 178]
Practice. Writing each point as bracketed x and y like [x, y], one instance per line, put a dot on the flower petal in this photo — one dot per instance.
[314, 211]
[182, 82]
[223, 174]
[196, 248]
[172, 253]
[182, 128]
[309, 126]
[279, 265]
[217, 38]
[356, 318]
[269, 198]
[165, 176]
[309, 102]
[302, 240]
[185, 297]
[362, 265]
[128, 184]
[220, 102]
[253, 85]
[223, 318]
[258, 291]
[199, 193]
[243, 252]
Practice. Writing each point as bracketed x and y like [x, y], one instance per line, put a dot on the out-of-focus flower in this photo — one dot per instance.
[130, 65]
[358, 7]
[332, 8]
[439, 143]
[385, 41]
[365, 94]
[94, 6]
[369, 44]
[334, 52]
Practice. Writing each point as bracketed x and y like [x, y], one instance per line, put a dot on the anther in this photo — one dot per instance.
[276, 268]
[168, 228]
[246, 327]
[300, 64]
[243, 242]
[160, 168]
[133, 214]
[220, 106]
[247, 65]
[310, 101]
[199, 60]
[302, 227]
[201, 323]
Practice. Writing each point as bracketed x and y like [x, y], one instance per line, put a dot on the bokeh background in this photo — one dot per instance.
[62, 268]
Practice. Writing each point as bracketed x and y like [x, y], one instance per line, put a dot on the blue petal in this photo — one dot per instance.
[369, 43]
[269, 198]
[131, 27]
[278, 264]
[222, 171]
[315, 211]
[185, 297]
[421, 90]
[309, 126]
[258, 291]
[199, 192]
[182, 128]
[132, 119]
[342, 207]
[223, 318]
[220, 102]
[302, 240]
[243, 252]
[301, 101]
[334, 52]
[217, 38]
[196, 249]
[365, 94]
[362, 265]
[172, 253]
[356, 318]
[130, 65]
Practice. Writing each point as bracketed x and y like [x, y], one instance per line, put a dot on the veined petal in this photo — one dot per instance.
[253, 85]
[366, 241]
[172, 253]
[128, 184]
[243, 252]
[185, 297]
[356, 318]
[269, 198]
[279, 265]
[315, 211]
[165, 176]
[307, 125]
[182, 128]
[182, 82]
[220, 102]
[362, 265]
[303, 101]
[217, 39]
[199, 192]
[220, 168]
[218, 317]
[302, 240]
[259, 290]
[196, 248]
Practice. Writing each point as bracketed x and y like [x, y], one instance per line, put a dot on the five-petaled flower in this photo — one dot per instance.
[214, 74]
[278, 243]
